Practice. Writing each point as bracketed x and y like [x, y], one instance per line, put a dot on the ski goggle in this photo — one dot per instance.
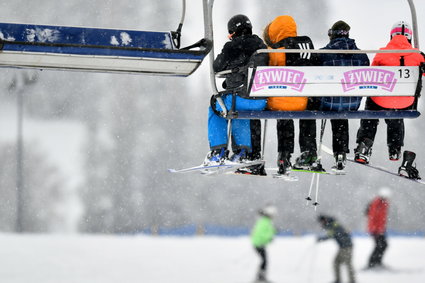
[338, 32]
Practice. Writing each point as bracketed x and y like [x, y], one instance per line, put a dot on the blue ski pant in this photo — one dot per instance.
[241, 130]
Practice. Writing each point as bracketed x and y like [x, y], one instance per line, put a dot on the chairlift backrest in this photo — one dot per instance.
[332, 81]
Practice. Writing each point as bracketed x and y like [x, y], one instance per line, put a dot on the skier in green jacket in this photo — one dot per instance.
[262, 234]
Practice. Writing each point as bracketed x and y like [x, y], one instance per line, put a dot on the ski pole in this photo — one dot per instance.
[316, 203]
[264, 140]
[308, 198]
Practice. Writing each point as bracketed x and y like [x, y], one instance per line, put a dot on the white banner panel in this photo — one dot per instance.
[334, 81]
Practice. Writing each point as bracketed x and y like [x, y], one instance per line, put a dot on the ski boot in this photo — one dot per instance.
[283, 162]
[394, 153]
[407, 169]
[363, 151]
[216, 157]
[254, 169]
[340, 161]
[261, 276]
[240, 156]
[307, 161]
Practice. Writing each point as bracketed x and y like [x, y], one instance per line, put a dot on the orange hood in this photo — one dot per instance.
[282, 27]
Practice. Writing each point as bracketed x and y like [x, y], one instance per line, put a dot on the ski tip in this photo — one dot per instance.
[172, 170]
[338, 172]
[285, 177]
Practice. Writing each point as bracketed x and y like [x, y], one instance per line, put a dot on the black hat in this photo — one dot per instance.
[239, 24]
[339, 29]
[325, 218]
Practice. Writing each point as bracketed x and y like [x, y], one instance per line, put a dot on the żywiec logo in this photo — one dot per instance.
[279, 78]
[369, 78]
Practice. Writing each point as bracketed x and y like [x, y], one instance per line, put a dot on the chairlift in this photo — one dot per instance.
[99, 49]
[305, 81]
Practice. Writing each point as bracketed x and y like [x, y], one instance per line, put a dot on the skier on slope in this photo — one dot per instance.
[343, 239]
[262, 234]
[401, 38]
[377, 215]
[281, 33]
[235, 54]
[339, 39]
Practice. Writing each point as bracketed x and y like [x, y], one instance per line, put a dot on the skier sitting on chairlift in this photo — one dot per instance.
[281, 33]
[235, 54]
[401, 38]
[339, 39]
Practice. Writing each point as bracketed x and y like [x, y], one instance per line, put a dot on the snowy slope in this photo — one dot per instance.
[128, 259]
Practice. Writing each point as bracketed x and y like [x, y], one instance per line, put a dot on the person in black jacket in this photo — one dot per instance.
[235, 55]
[343, 239]
[339, 39]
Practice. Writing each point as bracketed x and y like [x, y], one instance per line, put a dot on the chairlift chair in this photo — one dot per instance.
[323, 81]
[99, 50]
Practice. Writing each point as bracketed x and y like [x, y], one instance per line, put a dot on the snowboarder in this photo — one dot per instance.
[345, 252]
[401, 38]
[281, 33]
[377, 215]
[262, 234]
[236, 53]
[339, 39]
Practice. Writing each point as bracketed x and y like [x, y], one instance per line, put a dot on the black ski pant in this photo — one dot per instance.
[263, 256]
[256, 138]
[286, 135]
[368, 127]
[340, 136]
[379, 250]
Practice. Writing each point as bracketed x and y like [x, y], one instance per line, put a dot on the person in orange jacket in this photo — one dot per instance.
[377, 215]
[401, 38]
[281, 33]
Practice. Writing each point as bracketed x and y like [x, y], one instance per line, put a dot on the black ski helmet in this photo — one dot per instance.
[239, 24]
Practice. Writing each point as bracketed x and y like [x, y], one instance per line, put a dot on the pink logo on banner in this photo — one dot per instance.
[369, 77]
[279, 78]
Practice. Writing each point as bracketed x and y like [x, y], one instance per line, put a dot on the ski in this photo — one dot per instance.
[333, 172]
[375, 167]
[216, 169]
[285, 177]
[198, 168]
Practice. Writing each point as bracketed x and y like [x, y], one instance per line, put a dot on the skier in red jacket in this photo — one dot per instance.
[401, 37]
[377, 214]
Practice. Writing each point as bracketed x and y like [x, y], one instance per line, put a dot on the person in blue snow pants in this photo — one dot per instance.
[236, 54]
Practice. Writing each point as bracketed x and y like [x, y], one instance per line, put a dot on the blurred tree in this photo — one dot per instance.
[42, 196]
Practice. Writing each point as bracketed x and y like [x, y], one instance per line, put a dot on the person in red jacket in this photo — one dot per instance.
[401, 37]
[377, 215]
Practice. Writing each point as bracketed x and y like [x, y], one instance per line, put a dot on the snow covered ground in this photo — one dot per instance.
[147, 259]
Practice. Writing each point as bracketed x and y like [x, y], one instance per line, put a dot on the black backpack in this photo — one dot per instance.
[298, 59]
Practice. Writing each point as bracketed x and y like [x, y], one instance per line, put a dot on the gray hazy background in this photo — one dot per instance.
[97, 146]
